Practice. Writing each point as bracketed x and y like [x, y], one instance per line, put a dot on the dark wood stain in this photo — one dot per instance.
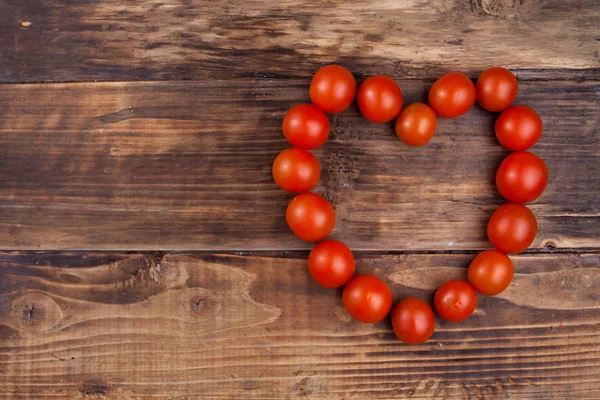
[94, 388]
[116, 40]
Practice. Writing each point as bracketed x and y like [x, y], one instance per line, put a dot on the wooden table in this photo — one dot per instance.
[144, 248]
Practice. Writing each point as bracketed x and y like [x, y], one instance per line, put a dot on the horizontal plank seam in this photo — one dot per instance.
[291, 253]
[577, 75]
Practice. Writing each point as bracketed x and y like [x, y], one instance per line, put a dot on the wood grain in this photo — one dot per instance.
[256, 327]
[50, 40]
[186, 166]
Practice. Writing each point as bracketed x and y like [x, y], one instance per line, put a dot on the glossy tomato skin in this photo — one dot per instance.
[379, 99]
[296, 170]
[305, 126]
[491, 272]
[413, 321]
[310, 217]
[332, 89]
[452, 95]
[518, 128]
[416, 124]
[367, 298]
[455, 300]
[512, 228]
[522, 177]
[496, 89]
[331, 263]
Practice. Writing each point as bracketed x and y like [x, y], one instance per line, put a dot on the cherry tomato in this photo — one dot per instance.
[306, 126]
[518, 128]
[452, 95]
[367, 298]
[413, 321]
[512, 228]
[455, 300]
[331, 263]
[416, 124]
[333, 89]
[310, 217]
[522, 177]
[490, 272]
[296, 170]
[379, 99]
[496, 89]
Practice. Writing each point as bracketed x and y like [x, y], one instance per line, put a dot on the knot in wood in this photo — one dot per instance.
[203, 304]
[35, 312]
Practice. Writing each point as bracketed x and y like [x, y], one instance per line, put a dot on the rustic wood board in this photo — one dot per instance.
[256, 327]
[186, 166]
[203, 39]
[162, 165]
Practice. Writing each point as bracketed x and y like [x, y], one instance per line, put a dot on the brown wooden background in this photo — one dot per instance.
[144, 252]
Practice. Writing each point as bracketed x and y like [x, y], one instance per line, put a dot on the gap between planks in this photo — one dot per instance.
[298, 253]
[523, 75]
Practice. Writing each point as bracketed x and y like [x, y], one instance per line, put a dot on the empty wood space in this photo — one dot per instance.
[144, 252]
[185, 39]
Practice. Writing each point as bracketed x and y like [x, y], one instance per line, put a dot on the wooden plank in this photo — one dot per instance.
[186, 166]
[52, 40]
[256, 327]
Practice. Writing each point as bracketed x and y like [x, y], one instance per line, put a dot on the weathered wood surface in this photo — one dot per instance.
[53, 40]
[119, 166]
[186, 166]
[256, 327]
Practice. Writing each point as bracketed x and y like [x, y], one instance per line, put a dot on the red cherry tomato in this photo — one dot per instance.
[306, 126]
[296, 170]
[522, 177]
[310, 217]
[512, 228]
[416, 124]
[333, 89]
[379, 99]
[452, 95]
[518, 128]
[455, 300]
[496, 89]
[331, 263]
[490, 272]
[413, 321]
[367, 298]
